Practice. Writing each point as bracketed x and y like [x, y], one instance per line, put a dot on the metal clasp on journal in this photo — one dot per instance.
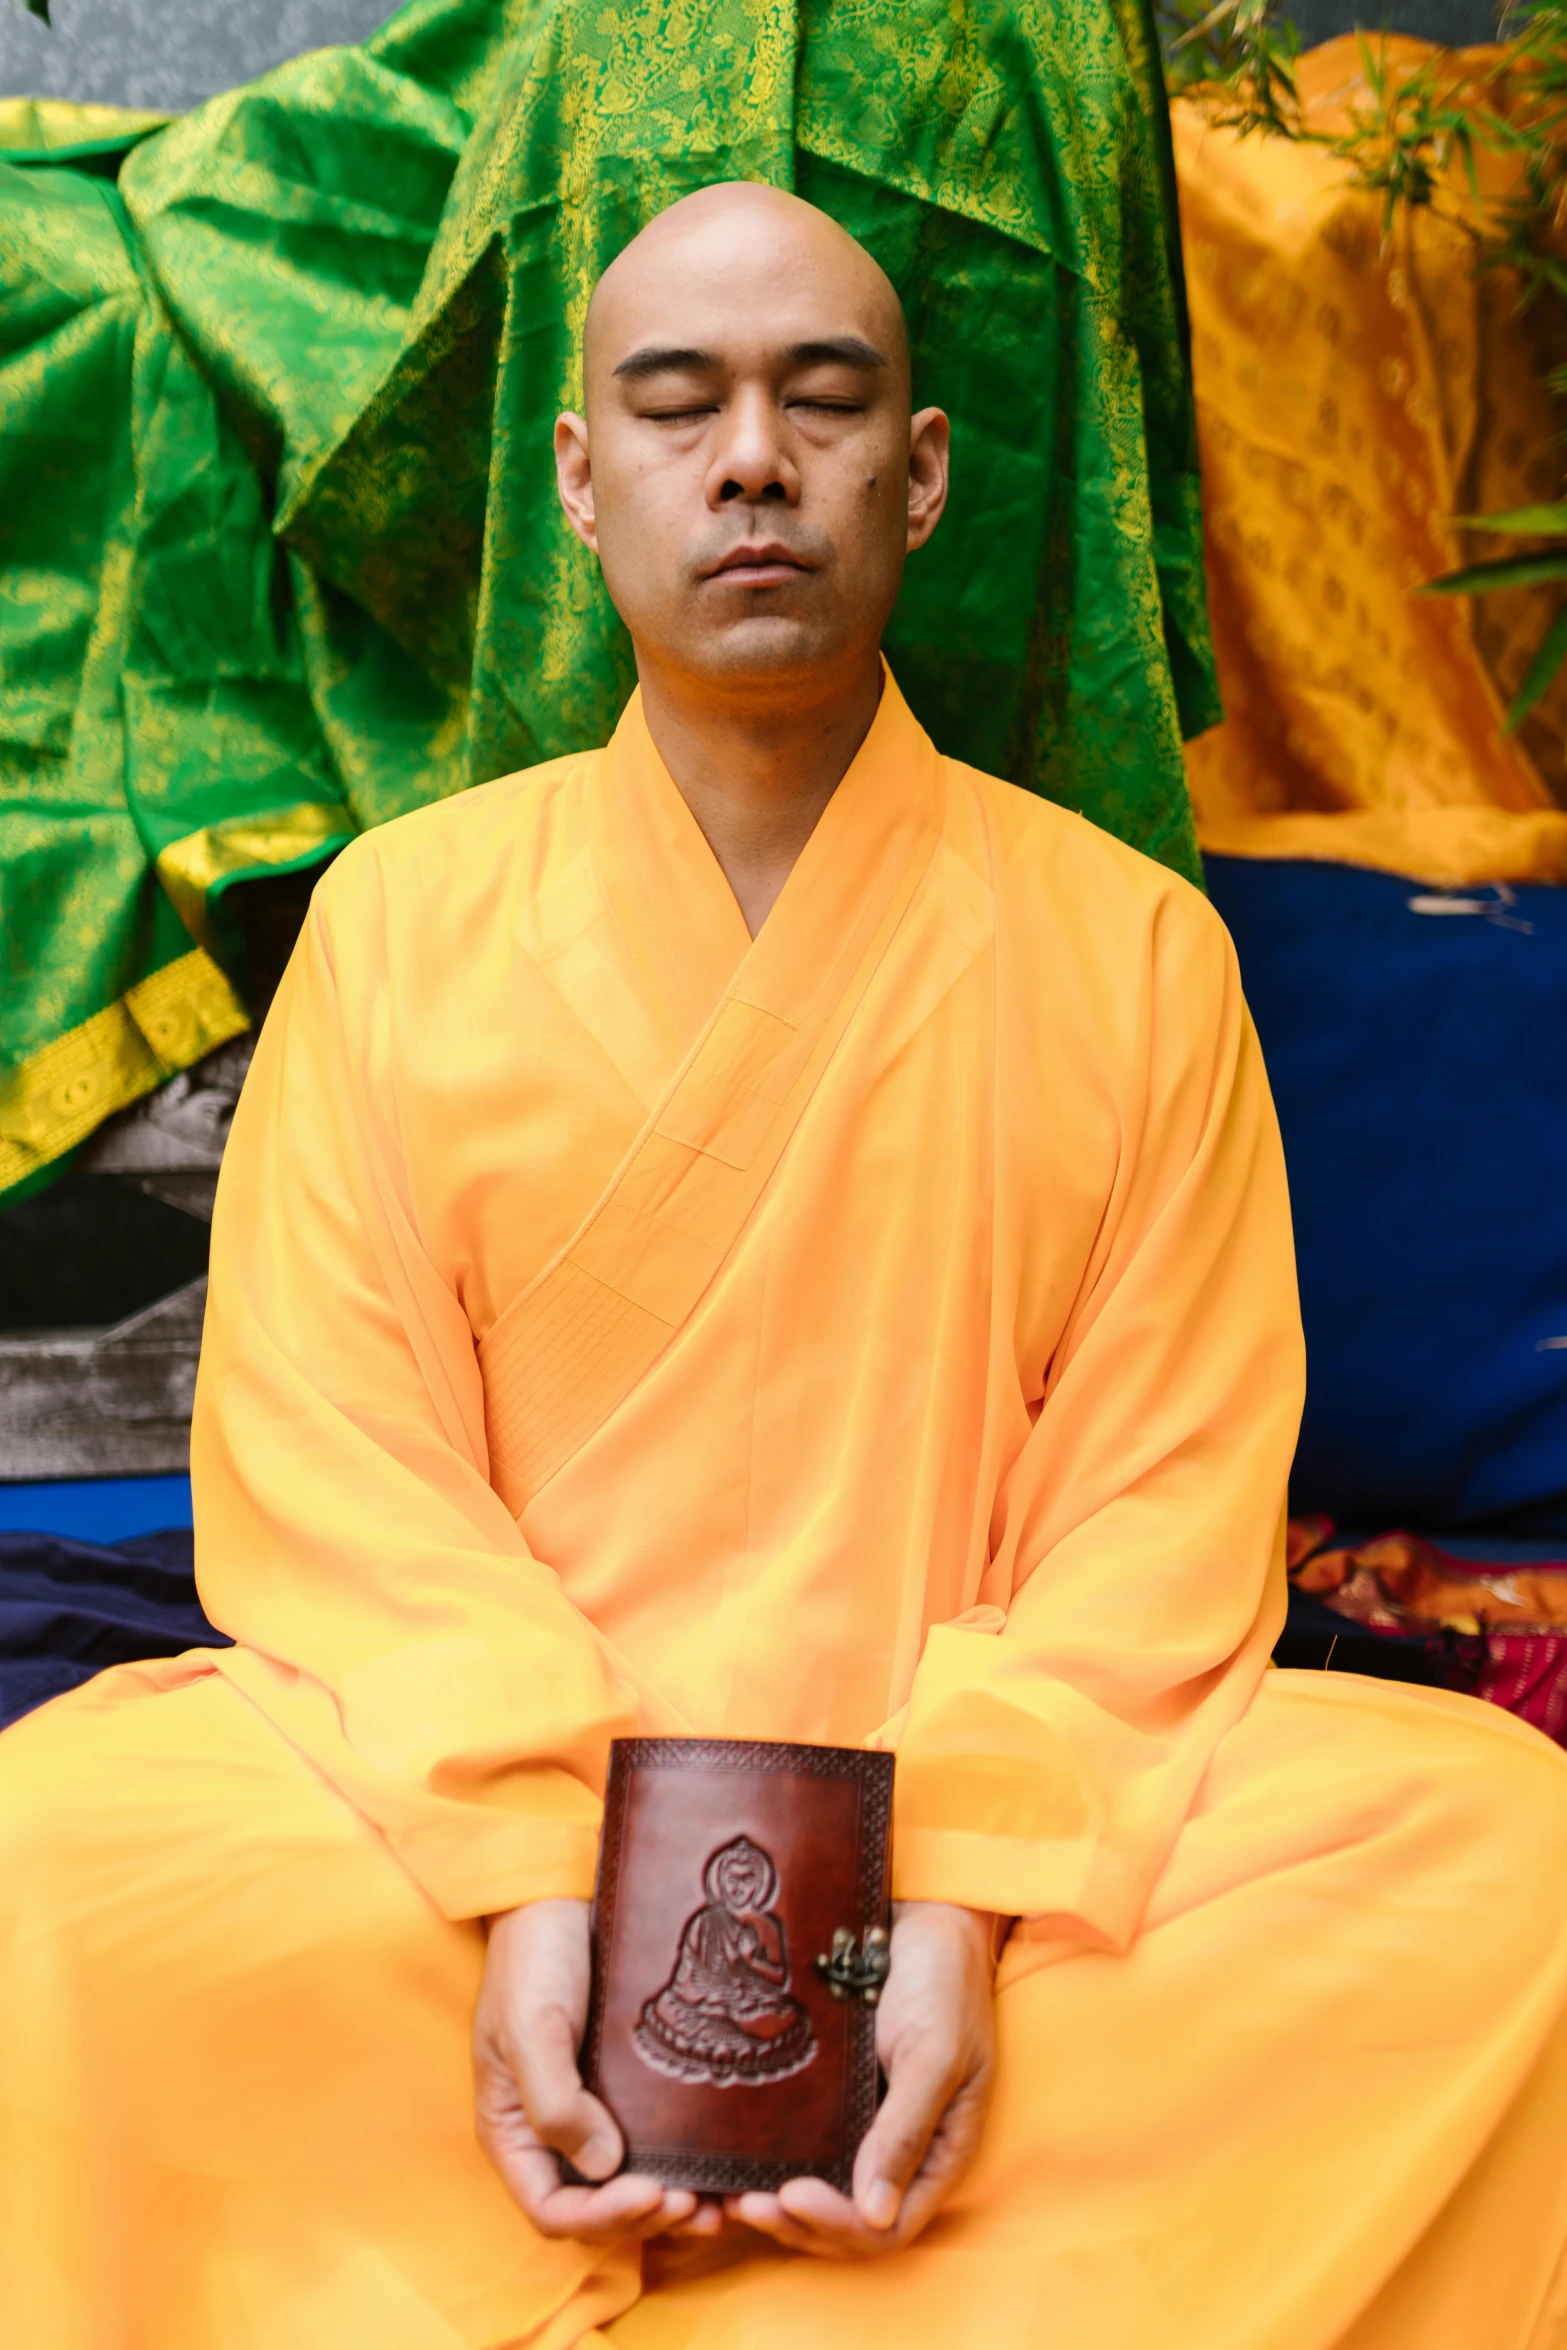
[857, 1974]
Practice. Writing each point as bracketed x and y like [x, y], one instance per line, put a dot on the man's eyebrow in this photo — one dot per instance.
[661, 358]
[838, 351]
[827, 351]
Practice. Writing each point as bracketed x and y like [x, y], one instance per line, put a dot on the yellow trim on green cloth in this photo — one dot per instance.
[60, 128]
[1449, 847]
[52, 1101]
[192, 868]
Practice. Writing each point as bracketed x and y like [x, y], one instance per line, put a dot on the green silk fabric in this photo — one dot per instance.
[280, 553]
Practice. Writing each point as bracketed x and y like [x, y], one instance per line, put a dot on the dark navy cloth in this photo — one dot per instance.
[69, 1608]
[1417, 1060]
[1316, 1640]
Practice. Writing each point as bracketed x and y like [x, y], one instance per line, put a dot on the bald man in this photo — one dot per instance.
[763, 1232]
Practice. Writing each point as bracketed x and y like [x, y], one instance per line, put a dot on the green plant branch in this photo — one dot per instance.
[1241, 54]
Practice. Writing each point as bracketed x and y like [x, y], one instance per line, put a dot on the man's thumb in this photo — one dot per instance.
[563, 2114]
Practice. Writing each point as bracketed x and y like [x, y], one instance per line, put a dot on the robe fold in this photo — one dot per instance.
[882, 1330]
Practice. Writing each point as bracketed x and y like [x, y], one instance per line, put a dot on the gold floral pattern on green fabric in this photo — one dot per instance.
[278, 529]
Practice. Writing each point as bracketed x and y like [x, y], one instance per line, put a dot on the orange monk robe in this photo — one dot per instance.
[882, 1331]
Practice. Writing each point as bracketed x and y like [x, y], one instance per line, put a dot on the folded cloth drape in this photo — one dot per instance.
[1356, 392]
[278, 529]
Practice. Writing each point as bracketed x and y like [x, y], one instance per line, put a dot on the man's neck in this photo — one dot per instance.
[756, 775]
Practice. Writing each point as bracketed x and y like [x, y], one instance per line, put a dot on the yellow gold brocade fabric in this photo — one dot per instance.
[61, 130]
[1354, 397]
[53, 1100]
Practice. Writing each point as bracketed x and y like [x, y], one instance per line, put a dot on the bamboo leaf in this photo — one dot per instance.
[37, 8]
[1533, 522]
[1541, 670]
[1206, 25]
[1514, 571]
[1471, 170]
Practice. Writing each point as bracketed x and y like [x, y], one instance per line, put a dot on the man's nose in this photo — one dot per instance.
[751, 461]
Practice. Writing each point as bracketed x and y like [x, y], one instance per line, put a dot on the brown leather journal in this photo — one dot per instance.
[740, 1927]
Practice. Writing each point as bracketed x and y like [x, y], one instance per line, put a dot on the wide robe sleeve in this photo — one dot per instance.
[392, 1622]
[1055, 1739]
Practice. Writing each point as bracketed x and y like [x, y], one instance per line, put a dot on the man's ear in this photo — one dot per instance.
[574, 474]
[930, 440]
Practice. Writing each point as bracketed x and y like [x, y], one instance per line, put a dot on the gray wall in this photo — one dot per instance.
[1457, 22]
[167, 54]
[173, 53]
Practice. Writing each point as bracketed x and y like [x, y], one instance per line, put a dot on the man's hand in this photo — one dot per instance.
[936, 2036]
[529, 2101]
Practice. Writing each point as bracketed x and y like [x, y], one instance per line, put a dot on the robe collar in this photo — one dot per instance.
[569, 1350]
[677, 916]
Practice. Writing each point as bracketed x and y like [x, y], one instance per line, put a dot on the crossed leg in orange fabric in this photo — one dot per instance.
[1322, 2100]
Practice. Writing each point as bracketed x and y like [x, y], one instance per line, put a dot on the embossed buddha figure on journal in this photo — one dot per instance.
[726, 2014]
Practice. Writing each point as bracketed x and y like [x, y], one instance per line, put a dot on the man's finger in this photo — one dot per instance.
[628, 2210]
[947, 2159]
[706, 2221]
[563, 2114]
[770, 2216]
[832, 2220]
[895, 2145]
[531, 2172]
[629, 2207]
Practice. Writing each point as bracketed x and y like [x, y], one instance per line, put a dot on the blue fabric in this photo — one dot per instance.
[1417, 1063]
[68, 1608]
[97, 1509]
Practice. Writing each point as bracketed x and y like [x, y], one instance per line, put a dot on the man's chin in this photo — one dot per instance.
[770, 649]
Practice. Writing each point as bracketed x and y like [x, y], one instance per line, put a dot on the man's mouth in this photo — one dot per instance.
[758, 563]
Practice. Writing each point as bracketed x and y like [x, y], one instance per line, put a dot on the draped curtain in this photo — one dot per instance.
[1358, 392]
[280, 555]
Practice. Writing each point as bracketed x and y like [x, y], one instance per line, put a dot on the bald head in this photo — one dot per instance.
[747, 471]
[734, 241]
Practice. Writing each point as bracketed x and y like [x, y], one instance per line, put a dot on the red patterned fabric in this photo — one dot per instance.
[1526, 1674]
